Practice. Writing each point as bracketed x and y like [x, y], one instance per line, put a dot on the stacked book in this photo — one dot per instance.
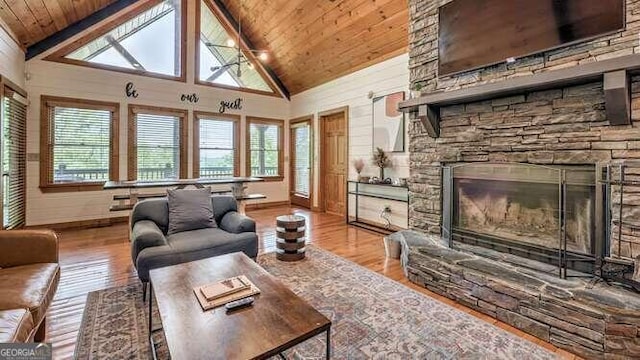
[225, 291]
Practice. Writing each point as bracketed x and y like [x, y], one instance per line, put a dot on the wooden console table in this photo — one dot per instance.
[128, 200]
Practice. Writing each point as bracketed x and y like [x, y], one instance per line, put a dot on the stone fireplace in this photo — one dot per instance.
[514, 206]
[539, 212]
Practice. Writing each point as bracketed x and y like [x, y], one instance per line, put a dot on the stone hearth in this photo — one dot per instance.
[592, 319]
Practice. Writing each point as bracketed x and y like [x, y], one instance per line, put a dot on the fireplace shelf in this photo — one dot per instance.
[613, 72]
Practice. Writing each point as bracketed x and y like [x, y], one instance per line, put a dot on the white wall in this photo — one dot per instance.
[351, 90]
[11, 57]
[51, 78]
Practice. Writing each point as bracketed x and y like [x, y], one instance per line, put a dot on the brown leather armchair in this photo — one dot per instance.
[29, 275]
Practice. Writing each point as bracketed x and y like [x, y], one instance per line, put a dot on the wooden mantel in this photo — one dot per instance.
[613, 72]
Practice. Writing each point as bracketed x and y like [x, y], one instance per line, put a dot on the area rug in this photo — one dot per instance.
[373, 318]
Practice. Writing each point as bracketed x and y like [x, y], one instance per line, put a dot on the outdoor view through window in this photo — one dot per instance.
[149, 42]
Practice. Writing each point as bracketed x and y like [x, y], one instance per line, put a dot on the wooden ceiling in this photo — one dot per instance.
[34, 20]
[310, 41]
[315, 41]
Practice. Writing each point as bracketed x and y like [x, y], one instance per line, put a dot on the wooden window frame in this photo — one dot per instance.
[292, 123]
[266, 121]
[250, 56]
[132, 147]
[203, 115]
[128, 14]
[46, 146]
[4, 85]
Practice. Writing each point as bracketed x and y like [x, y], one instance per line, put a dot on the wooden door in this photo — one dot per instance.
[334, 174]
[300, 156]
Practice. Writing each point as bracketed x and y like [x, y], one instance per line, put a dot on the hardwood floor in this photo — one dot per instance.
[94, 259]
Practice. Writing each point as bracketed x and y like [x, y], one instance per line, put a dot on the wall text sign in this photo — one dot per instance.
[192, 98]
[230, 105]
[130, 90]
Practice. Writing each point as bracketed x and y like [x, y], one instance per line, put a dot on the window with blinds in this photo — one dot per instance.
[301, 159]
[157, 143]
[81, 140]
[80, 143]
[14, 149]
[216, 147]
[265, 145]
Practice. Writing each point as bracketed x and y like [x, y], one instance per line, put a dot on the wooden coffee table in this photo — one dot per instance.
[277, 321]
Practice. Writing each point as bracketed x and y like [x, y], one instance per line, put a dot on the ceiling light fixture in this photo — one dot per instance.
[240, 58]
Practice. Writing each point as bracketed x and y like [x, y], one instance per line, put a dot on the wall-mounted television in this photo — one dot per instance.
[479, 33]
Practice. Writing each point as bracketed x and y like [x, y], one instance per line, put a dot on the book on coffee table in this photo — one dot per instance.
[217, 294]
[225, 287]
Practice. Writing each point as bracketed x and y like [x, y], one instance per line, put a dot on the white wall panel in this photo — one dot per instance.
[11, 57]
[351, 90]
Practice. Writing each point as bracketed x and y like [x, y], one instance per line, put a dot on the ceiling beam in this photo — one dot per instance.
[76, 28]
[227, 14]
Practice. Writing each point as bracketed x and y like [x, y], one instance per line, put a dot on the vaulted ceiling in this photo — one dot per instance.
[34, 20]
[310, 41]
[314, 41]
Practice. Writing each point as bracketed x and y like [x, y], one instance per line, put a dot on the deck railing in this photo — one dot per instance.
[64, 174]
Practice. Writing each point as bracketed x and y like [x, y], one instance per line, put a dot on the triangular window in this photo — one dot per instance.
[220, 62]
[148, 42]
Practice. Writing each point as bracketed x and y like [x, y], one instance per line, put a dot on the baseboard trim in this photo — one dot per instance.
[82, 224]
[266, 205]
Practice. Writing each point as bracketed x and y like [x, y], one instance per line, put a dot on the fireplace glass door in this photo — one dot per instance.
[524, 206]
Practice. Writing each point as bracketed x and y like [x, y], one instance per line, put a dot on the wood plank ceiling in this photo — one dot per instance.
[310, 41]
[315, 41]
[34, 20]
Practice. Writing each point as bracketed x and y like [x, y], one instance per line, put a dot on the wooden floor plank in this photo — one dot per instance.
[94, 259]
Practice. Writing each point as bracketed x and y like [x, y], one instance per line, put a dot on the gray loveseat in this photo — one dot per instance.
[151, 247]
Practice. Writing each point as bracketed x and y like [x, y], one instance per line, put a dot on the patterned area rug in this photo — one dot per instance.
[372, 316]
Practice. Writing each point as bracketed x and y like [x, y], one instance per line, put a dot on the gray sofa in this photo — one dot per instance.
[151, 247]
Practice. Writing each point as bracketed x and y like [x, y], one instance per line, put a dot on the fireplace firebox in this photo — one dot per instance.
[544, 213]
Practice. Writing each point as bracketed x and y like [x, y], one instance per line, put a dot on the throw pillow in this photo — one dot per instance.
[190, 210]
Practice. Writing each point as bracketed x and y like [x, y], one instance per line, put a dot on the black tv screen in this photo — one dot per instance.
[478, 33]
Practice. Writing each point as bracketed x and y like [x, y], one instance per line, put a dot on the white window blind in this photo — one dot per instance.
[265, 149]
[14, 121]
[158, 146]
[80, 144]
[217, 154]
[302, 159]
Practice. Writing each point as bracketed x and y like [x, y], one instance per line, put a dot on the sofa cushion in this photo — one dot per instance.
[29, 287]
[189, 210]
[16, 325]
[217, 238]
[194, 245]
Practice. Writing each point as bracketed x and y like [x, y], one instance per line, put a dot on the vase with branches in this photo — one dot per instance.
[358, 165]
[381, 160]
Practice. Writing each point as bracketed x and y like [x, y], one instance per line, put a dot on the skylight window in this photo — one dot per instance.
[220, 63]
[149, 43]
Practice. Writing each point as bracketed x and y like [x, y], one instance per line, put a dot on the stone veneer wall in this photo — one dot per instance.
[560, 126]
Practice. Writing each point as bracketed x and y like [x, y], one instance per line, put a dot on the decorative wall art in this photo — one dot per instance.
[230, 105]
[388, 123]
[130, 90]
